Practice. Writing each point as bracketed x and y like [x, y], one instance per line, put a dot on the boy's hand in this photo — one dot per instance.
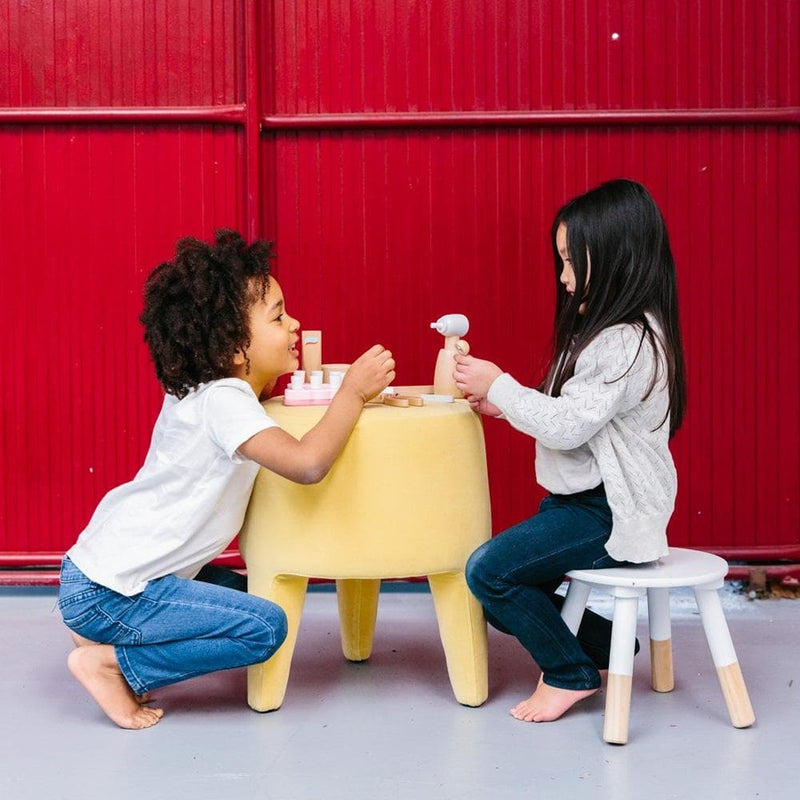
[309, 459]
[370, 373]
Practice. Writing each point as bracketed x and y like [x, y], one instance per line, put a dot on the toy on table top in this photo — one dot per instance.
[308, 386]
[452, 327]
[311, 352]
[316, 383]
[313, 393]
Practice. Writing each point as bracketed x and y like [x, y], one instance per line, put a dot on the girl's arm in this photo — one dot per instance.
[604, 385]
[308, 459]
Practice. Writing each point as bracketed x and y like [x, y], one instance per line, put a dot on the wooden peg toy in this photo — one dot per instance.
[452, 327]
[311, 352]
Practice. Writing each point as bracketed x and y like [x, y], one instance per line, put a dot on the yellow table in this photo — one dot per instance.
[408, 497]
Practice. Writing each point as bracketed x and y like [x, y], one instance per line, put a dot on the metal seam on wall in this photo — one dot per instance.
[238, 115]
[227, 115]
[733, 116]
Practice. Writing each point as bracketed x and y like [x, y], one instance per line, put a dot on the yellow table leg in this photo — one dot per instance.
[266, 682]
[462, 629]
[358, 610]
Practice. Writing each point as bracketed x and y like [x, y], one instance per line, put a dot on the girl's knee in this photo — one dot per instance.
[475, 572]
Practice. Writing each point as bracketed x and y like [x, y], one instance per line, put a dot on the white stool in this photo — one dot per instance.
[705, 573]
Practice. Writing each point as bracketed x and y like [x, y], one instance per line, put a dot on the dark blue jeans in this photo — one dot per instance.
[515, 576]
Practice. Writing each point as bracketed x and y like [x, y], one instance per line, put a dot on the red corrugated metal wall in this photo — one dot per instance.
[407, 157]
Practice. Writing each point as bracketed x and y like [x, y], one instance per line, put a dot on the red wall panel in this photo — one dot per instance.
[459, 222]
[72, 53]
[455, 218]
[406, 55]
[86, 213]
[411, 159]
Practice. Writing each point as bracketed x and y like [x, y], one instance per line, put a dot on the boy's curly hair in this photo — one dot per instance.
[196, 308]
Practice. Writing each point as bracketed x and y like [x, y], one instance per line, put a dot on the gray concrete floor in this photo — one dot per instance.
[391, 727]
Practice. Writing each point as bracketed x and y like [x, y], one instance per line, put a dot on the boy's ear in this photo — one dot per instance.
[238, 358]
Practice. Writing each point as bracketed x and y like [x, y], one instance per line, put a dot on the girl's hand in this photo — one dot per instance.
[473, 377]
[483, 406]
[370, 373]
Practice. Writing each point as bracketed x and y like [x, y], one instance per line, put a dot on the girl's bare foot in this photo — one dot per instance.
[548, 703]
[96, 669]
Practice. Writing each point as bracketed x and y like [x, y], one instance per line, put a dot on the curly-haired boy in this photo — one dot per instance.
[219, 335]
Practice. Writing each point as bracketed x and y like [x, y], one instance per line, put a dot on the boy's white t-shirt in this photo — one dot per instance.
[187, 502]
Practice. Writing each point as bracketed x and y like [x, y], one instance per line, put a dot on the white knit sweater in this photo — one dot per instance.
[600, 429]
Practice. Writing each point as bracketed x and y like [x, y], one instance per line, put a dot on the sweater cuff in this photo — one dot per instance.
[502, 390]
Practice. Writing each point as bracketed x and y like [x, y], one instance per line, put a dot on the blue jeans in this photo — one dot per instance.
[515, 576]
[175, 629]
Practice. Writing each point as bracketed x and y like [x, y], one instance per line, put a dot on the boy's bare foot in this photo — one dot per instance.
[82, 641]
[548, 703]
[96, 669]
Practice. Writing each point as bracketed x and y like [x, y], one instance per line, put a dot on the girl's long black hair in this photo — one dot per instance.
[620, 230]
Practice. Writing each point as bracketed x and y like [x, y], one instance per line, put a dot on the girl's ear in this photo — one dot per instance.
[238, 358]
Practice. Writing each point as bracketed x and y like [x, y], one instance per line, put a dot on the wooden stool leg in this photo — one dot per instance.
[721, 645]
[662, 678]
[462, 629]
[266, 682]
[358, 610]
[620, 667]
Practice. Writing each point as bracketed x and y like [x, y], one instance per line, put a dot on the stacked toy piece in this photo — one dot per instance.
[313, 393]
[307, 386]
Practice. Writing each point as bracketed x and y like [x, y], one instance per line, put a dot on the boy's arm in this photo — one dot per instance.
[308, 459]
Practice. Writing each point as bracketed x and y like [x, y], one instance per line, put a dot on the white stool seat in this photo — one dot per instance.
[680, 568]
[705, 574]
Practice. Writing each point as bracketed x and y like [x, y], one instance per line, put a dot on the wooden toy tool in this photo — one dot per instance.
[452, 327]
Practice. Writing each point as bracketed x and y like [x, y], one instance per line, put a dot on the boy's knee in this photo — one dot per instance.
[268, 631]
[281, 628]
[276, 628]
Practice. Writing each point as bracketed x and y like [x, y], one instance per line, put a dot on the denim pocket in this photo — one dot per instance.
[75, 587]
[94, 611]
[69, 573]
[96, 624]
[98, 621]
